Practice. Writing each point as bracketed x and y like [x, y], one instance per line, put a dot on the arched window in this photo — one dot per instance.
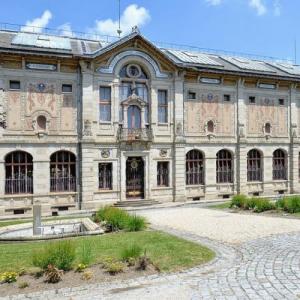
[254, 166]
[18, 173]
[194, 168]
[210, 126]
[279, 165]
[224, 167]
[62, 172]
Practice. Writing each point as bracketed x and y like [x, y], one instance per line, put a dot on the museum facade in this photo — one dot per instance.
[84, 124]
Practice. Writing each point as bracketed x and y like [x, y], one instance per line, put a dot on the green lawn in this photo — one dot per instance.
[168, 252]
[220, 205]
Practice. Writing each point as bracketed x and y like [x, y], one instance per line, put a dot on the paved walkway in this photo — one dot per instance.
[245, 268]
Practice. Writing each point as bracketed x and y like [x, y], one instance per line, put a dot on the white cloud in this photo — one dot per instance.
[132, 16]
[65, 29]
[37, 24]
[214, 2]
[277, 8]
[259, 6]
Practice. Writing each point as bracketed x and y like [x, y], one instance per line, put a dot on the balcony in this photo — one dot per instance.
[131, 135]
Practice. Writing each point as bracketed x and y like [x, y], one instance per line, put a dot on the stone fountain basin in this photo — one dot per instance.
[51, 230]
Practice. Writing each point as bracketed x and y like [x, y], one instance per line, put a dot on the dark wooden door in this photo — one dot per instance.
[135, 178]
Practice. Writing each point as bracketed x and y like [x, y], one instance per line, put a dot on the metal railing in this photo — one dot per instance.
[279, 173]
[135, 134]
[254, 174]
[225, 176]
[19, 185]
[63, 184]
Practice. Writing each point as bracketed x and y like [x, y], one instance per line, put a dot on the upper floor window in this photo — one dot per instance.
[252, 100]
[14, 85]
[105, 103]
[281, 101]
[66, 88]
[162, 106]
[191, 95]
[226, 98]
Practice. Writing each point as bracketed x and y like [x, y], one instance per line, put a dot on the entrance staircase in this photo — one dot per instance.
[136, 203]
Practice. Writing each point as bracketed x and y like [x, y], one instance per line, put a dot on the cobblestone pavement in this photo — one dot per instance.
[263, 268]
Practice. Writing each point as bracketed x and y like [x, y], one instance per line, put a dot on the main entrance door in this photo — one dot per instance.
[135, 177]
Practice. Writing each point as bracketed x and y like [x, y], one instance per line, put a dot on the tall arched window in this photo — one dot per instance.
[62, 172]
[279, 165]
[18, 173]
[224, 167]
[254, 166]
[194, 168]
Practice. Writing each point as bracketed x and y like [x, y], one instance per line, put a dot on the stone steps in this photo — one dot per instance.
[136, 203]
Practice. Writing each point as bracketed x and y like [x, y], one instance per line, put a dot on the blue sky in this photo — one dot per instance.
[263, 27]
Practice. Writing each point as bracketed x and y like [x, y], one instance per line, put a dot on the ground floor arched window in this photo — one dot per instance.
[254, 166]
[224, 167]
[18, 173]
[62, 172]
[279, 165]
[194, 168]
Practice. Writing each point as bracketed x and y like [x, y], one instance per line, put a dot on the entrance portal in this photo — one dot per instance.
[135, 177]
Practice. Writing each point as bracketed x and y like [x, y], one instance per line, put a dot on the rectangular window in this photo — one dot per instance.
[191, 95]
[162, 106]
[252, 99]
[66, 88]
[163, 173]
[226, 98]
[105, 103]
[14, 85]
[105, 176]
[281, 101]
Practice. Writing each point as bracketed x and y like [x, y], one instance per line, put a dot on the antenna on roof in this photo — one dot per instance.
[119, 31]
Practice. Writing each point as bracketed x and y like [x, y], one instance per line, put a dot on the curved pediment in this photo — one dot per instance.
[134, 100]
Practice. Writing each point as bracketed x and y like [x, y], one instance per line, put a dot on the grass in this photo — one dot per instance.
[167, 252]
[220, 205]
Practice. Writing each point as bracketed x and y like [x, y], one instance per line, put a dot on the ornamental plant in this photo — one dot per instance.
[8, 277]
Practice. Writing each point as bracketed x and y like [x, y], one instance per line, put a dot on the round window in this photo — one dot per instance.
[133, 71]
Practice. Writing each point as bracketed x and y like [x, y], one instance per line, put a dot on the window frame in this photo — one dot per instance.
[163, 173]
[106, 184]
[254, 160]
[252, 100]
[279, 165]
[163, 106]
[105, 103]
[66, 85]
[12, 82]
[194, 167]
[224, 160]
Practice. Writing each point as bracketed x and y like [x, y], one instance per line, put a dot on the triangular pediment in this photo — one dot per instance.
[134, 100]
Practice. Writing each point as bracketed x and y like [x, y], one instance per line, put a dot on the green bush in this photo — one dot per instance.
[251, 203]
[280, 203]
[59, 254]
[114, 217]
[291, 204]
[262, 205]
[134, 251]
[238, 201]
[135, 223]
[85, 253]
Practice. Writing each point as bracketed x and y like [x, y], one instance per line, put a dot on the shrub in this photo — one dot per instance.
[250, 203]
[53, 275]
[279, 203]
[262, 205]
[81, 267]
[59, 254]
[115, 267]
[238, 201]
[85, 253]
[8, 277]
[135, 223]
[134, 251]
[23, 285]
[87, 275]
[114, 217]
[291, 204]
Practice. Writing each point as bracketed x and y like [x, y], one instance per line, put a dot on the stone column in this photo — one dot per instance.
[179, 142]
[41, 177]
[37, 219]
[2, 176]
[210, 175]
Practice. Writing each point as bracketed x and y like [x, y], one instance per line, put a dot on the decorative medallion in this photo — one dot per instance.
[163, 152]
[105, 153]
[133, 71]
[267, 101]
[210, 97]
[41, 87]
[134, 164]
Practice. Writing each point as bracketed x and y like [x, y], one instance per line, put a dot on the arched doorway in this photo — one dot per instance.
[135, 178]
[134, 117]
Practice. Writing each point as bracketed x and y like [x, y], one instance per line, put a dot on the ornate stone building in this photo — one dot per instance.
[84, 124]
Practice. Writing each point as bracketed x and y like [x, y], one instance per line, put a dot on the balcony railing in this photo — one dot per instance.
[19, 186]
[62, 184]
[135, 134]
